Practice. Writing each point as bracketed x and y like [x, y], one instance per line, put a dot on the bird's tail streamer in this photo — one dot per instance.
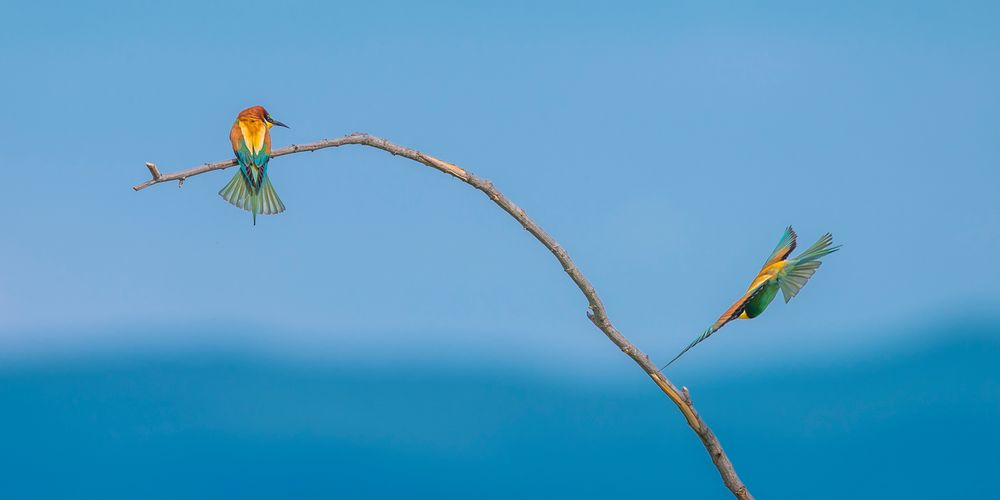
[704, 335]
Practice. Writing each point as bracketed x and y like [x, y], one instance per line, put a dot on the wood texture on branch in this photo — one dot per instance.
[596, 313]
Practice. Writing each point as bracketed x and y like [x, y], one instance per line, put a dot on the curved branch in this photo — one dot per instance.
[597, 314]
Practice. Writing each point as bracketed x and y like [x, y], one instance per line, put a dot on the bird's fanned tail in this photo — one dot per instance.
[241, 194]
[237, 192]
[270, 204]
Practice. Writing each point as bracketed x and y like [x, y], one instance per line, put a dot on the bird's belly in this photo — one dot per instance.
[760, 301]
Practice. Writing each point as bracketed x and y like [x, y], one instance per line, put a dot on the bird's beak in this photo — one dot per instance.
[277, 123]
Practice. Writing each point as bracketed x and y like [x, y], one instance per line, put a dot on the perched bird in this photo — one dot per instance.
[790, 275]
[251, 189]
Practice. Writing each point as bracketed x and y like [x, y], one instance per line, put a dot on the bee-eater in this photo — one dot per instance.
[790, 275]
[251, 189]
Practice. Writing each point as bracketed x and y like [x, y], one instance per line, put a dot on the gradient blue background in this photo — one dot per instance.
[395, 334]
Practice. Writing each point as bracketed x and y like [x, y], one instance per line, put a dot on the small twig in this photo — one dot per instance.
[597, 314]
[153, 170]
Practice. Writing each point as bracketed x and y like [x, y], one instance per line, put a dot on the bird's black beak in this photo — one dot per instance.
[277, 123]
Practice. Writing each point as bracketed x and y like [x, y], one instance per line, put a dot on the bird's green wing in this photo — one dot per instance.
[798, 271]
[786, 245]
[818, 250]
[253, 166]
[795, 277]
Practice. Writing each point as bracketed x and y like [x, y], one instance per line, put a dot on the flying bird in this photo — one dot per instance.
[779, 272]
[251, 189]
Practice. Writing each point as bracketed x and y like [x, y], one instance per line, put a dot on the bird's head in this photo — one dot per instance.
[259, 113]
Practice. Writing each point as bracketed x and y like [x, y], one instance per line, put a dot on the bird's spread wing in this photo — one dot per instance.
[786, 245]
[798, 271]
[732, 313]
[794, 277]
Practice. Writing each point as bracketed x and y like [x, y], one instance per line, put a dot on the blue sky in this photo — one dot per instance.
[665, 145]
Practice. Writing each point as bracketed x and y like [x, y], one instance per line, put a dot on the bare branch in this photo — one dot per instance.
[363, 139]
[597, 314]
